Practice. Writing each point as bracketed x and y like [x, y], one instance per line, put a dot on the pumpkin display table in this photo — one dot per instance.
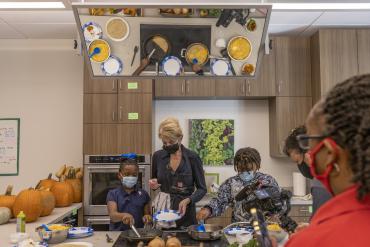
[57, 215]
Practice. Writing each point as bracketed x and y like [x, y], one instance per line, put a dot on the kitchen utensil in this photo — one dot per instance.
[95, 52]
[198, 51]
[104, 53]
[136, 49]
[45, 227]
[201, 227]
[211, 232]
[92, 31]
[167, 216]
[162, 45]
[80, 232]
[146, 236]
[172, 66]
[53, 236]
[113, 66]
[239, 48]
[144, 62]
[225, 54]
[136, 232]
[220, 67]
[117, 29]
[109, 239]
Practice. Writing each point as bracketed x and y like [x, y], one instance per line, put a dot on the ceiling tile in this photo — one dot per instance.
[7, 32]
[286, 29]
[47, 31]
[292, 18]
[61, 16]
[344, 18]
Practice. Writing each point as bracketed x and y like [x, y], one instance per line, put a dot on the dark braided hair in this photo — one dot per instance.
[346, 111]
[246, 158]
[291, 142]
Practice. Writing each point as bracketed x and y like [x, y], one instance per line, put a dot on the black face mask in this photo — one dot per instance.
[171, 149]
[305, 170]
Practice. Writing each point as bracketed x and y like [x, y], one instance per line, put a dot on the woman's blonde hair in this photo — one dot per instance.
[170, 129]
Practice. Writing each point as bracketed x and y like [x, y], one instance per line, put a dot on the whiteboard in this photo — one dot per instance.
[9, 146]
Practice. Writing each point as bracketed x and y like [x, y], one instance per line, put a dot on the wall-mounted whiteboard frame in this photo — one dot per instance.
[9, 146]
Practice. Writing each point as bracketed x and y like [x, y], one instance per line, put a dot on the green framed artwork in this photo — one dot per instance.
[212, 140]
[9, 146]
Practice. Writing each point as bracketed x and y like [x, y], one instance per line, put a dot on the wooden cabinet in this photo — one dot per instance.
[363, 42]
[135, 108]
[293, 66]
[98, 85]
[100, 139]
[230, 87]
[135, 138]
[169, 87]
[334, 58]
[100, 108]
[197, 87]
[135, 85]
[201, 87]
[285, 113]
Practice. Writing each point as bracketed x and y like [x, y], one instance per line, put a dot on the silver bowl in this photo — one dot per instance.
[54, 236]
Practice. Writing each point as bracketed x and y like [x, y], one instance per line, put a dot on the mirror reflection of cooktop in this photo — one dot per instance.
[179, 37]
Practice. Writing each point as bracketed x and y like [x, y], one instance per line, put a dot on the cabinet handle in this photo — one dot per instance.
[182, 87]
[243, 88]
[114, 116]
[279, 87]
[113, 85]
[249, 87]
[120, 113]
[187, 87]
[120, 84]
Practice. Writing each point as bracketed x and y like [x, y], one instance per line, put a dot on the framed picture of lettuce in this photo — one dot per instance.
[212, 140]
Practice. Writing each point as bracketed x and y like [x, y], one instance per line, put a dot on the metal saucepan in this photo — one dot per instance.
[212, 232]
[198, 51]
[146, 234]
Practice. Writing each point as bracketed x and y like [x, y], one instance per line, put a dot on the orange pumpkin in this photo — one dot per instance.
[28, 201]
[46, 183]
[47, 201]
[77, 189]
[7, 200]
[63, 193]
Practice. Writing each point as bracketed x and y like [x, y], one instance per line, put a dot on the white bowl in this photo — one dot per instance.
[124, 21]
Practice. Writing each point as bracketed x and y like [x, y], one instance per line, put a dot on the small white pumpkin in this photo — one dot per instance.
[5, 215]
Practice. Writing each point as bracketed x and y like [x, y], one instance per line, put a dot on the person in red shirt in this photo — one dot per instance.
[338, 139]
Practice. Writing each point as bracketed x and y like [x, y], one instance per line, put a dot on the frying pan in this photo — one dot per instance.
[149, 45]
[146, 235]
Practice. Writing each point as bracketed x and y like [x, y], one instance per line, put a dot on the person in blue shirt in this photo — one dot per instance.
[127, 204]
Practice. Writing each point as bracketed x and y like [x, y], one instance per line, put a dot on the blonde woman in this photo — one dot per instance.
[178, 172]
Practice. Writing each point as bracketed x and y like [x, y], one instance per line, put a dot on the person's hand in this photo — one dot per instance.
[182, 206]
[128, 219]
[147, 219]
[153, 183]
[274, 242]
[203, 214]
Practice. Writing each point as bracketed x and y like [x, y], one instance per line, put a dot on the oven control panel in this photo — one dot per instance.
[115, 159]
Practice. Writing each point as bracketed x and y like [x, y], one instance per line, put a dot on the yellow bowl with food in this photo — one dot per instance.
[239, 48]
[104, 53]
[276, 231]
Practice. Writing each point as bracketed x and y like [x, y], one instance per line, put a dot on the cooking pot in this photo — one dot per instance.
[146, 234]
[198, 51]
[212, 232]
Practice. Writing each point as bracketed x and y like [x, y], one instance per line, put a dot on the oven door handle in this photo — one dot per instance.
[98, 220]
[102, 167]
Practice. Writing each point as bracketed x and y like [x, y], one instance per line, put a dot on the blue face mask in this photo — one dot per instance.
[129, 182]
[247, 176]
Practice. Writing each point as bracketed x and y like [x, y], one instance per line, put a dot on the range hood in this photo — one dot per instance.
[219, 38]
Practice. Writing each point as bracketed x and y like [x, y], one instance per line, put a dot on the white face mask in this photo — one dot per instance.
[247, 176]
[129, 181]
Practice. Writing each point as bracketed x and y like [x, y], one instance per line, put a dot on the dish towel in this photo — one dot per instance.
[163, 202]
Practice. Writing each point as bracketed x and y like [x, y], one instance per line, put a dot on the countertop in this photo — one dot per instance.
[57, 215]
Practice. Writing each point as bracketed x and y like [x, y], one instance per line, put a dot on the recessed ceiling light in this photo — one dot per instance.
[31, 5]
[321, 6]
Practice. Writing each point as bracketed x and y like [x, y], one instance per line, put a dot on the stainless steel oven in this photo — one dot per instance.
[98, 223]
[100, 176]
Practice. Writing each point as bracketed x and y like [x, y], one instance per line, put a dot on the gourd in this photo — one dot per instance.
[47, 201]
[63, 193]
[173, 242]
[156, 242]
[46, 183]
[76, 184]
[5, 215]
[28, 201]
[7, 200]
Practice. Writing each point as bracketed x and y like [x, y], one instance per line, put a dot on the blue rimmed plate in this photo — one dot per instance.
[112, 66]
[80, 232]
[172, 66]
[167, 216]
[238, 230]
[220, 67]
[92, 31]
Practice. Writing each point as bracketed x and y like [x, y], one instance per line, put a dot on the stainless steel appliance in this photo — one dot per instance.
[100, 176]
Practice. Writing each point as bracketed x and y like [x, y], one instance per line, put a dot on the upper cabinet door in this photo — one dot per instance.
[293, 66]
[101, 85]
[136, 138]
[264, 82]
[200, 87]
[135, 85]
[100, 139]
[100, 108]
[363, 41]
[169, 87]
[230, 87]
[135, 108]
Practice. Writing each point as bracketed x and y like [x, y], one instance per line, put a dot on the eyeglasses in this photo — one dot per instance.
[303, 140]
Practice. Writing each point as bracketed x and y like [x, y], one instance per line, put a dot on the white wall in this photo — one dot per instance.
[251, 129]
[41, 83]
